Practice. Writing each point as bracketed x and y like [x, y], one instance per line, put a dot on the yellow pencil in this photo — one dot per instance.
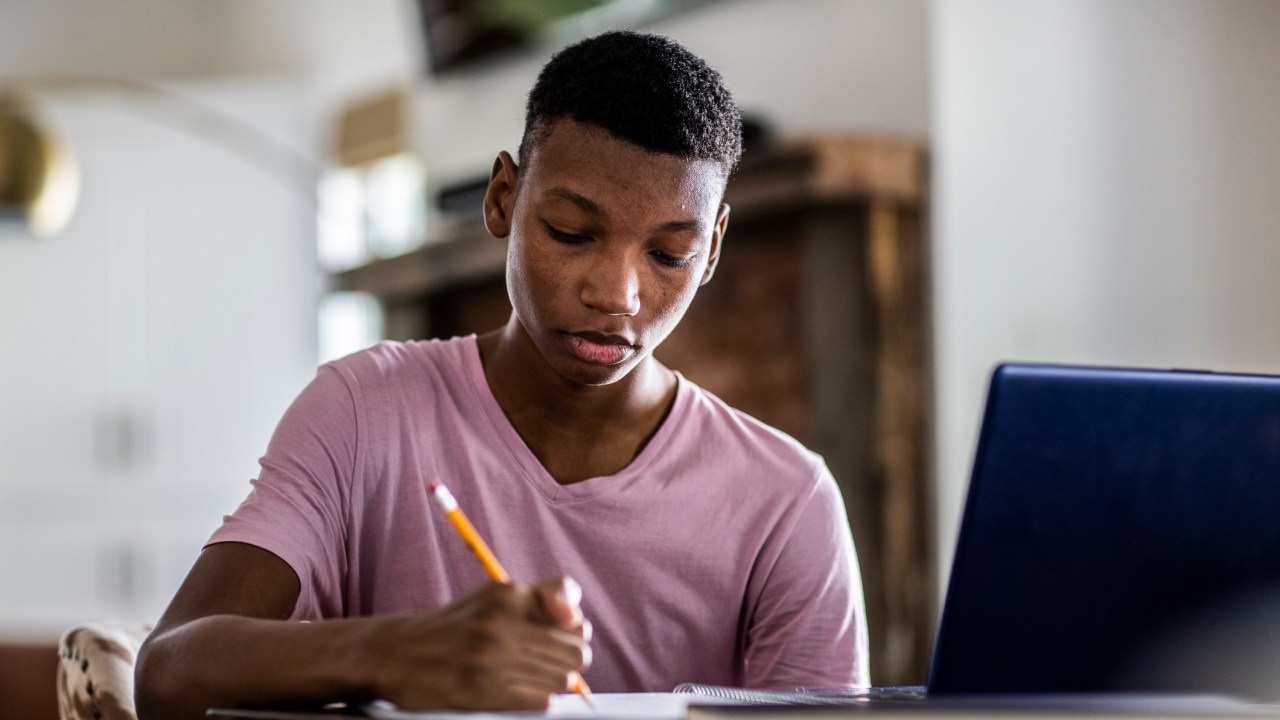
[445, 500]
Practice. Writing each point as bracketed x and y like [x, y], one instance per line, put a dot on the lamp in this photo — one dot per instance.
[39, 178]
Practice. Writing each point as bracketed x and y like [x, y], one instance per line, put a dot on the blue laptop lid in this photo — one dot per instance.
[1121, 533]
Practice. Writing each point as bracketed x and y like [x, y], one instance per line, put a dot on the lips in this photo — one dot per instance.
[600, 349]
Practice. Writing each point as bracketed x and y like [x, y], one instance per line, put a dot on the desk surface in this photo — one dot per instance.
[663, 706]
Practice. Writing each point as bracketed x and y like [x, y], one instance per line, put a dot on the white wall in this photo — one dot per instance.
[801, 65]
[147, 352]
[1107, 179]
[338, 41]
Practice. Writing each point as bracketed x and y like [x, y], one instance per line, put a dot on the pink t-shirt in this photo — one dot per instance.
[720, 555]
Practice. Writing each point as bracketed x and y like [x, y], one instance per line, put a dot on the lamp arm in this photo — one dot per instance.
[220, 129]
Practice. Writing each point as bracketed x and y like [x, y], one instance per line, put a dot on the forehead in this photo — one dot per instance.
[588, 161]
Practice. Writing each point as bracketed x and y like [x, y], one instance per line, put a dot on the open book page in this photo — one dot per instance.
[608, 706]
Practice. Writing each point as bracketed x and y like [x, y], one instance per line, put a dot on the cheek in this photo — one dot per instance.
[532, 277]
[518, 278]
[672, 299]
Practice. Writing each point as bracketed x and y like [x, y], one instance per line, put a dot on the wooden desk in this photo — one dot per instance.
[28, 671]
[816, 322]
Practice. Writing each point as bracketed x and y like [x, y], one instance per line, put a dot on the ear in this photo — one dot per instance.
[500, 196]
[717, 237]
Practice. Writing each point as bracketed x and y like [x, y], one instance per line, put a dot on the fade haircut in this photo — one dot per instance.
[644, 89]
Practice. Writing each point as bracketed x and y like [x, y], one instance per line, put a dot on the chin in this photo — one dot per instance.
[598, 375]
[577, 371]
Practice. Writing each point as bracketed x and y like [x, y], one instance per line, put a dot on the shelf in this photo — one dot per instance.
[460, 254]
[788, 176]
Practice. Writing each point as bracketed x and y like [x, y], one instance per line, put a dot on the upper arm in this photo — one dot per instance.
[232, 578]
[294, 522]
[808, 627]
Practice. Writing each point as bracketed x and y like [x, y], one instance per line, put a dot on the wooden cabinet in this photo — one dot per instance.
[816, 322]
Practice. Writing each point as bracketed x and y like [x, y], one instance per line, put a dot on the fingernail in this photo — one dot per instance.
[571, 592]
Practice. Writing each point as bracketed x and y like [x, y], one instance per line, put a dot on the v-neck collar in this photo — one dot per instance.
[532, 469]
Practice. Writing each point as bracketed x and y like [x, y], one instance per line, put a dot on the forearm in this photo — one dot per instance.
[234, 661]
[496, 649]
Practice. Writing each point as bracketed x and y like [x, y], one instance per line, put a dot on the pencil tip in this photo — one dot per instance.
[580, 687]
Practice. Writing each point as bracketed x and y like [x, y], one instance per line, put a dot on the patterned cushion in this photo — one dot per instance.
[95, 671]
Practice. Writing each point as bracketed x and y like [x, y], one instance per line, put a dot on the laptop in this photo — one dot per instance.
[1121, 534]
[1120, 547]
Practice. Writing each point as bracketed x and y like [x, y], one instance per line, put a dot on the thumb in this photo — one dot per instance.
[560, 602]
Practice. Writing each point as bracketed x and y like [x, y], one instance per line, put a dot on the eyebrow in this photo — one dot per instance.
[591, 207]
[587, 204]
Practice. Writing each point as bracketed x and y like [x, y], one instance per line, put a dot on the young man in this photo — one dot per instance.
[703, 545]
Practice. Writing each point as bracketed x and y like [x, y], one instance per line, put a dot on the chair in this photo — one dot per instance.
[95, 671]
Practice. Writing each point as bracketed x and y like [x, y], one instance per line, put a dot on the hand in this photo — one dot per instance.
[504, 647]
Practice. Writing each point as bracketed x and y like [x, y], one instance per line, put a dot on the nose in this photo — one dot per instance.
[612, 286]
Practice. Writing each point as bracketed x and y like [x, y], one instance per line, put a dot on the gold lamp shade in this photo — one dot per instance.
[39, 180]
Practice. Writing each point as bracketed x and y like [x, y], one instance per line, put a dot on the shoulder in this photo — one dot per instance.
[760, 451]
[390, 363]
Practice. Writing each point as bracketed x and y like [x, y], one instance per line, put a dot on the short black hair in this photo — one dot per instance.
[645, 89]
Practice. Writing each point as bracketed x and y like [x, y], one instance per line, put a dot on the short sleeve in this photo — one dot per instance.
[808, 627]
[299, 505]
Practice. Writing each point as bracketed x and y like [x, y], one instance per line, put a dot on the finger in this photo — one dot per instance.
[551, 602]
[546, 679]
[536, 674]
[510, 691]
[587, 655]
[575, 656]
[511, 638]
[550, 646]
[522, 694]
[512, 599]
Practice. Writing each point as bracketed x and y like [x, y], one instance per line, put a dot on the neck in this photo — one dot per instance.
[577, 431]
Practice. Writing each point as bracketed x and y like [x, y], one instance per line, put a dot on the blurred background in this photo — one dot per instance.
[200, 202]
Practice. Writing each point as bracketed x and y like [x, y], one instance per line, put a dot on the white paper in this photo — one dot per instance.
[608, 706]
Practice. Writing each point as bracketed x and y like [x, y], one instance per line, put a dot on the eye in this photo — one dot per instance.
[566, 237]
[673, 261]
